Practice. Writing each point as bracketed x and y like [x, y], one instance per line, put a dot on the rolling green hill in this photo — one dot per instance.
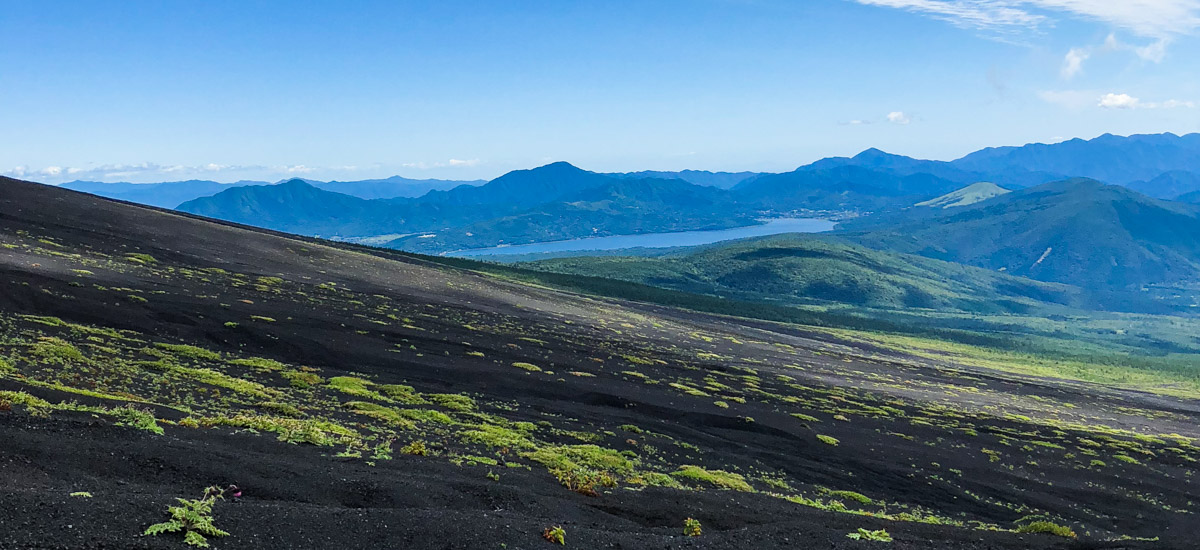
[971, 194]
[1075, 231]
[799, 269]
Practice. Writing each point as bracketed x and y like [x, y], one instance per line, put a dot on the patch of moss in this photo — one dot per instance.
[498, 437]
[291, 430]
[719, 478]
[190, 352]
[57, 351]
[452, 401]
[357, 387]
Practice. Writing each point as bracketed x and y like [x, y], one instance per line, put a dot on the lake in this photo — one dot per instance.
[658, 240]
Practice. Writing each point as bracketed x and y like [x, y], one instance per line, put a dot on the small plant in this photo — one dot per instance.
[828, 440]
[194, 518]
[416, 448]
[493, 476]
[691, 527]
[230, 324]
[81, 494]
[557, 535]
[874, 536]
[383, 451]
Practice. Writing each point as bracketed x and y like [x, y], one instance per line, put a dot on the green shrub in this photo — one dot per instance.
[691, 527]
[828, 440]
[415, 448]
[1046, 527]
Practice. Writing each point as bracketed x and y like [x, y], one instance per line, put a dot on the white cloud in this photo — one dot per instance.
[457, 162]
[1126, 101]
[898, 117]
[1073, 63]
[1147, 18]
[1119, 101]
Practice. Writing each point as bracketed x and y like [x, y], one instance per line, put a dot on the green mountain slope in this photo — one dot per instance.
[1075, 231]
[970, 194]
[799, 269]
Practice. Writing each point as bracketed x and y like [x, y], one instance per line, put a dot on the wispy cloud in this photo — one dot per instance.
[898, 117]
[1126, 101]
[1159, 19]
[1073, 63]
[452, 163]
[150, 171]
[1084, 99]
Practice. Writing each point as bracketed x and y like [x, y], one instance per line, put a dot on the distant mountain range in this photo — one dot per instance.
[1108, 158]
[720, 180]
[173, 193]
[163, 195]
[1053, 227]
[556, 201]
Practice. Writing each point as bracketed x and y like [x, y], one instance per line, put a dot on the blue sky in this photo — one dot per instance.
[155, 91]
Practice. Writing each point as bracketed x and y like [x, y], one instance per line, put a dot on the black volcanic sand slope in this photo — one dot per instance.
[365, 402]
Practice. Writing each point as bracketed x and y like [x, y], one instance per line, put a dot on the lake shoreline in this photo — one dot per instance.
[671, 239]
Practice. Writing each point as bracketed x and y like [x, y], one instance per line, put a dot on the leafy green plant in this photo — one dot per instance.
[691, 527]
[557, 535]
[874, 536]
[383, 451]
[193, 518]
[828, 440]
